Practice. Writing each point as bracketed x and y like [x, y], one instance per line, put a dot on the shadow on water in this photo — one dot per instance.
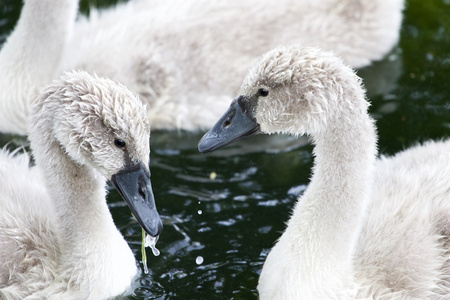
[222, 212]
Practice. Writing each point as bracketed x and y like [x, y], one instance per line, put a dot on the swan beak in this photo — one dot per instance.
[133, 184]
[232, 126]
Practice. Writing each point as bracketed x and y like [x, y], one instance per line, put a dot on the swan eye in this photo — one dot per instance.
[119, 143]
[263, 92]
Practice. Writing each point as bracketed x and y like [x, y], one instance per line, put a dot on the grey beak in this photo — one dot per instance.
[232, 126]
[133, 184]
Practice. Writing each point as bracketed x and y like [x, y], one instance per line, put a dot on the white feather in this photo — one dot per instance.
[181, 56]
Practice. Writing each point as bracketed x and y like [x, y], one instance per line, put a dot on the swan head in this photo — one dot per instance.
[100, 124]
[292, 90]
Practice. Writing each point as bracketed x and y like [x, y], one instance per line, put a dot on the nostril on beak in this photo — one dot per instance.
[227, 122]
[142, 192]
[142, 189]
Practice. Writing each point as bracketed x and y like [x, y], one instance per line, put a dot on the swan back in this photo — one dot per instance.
[172, 56]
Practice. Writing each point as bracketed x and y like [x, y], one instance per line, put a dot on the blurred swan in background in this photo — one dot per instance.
[31, 58]
[364, 228]
[57, 236]
[180, 56]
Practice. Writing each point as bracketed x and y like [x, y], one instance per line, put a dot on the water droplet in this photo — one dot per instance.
[150, 241]
[199, 260]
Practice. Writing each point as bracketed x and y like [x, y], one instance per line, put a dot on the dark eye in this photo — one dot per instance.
[263, 92]
[119, 143]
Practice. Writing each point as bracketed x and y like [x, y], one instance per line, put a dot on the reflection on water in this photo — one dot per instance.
[222, 212]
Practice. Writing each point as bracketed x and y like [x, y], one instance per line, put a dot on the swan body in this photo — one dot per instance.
[183, 56]
[58, 239]
[365, 228]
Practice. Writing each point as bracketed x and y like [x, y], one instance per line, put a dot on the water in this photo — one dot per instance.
[222, 212]
[150, 241]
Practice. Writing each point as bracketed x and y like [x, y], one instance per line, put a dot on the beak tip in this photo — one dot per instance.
[204, 143]
[155, 230]
[134, 186]
[202, 149]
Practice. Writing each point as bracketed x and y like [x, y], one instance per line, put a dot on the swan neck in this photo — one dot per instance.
[32, 56]
[39, 38]
[333, 206]
[79, 195]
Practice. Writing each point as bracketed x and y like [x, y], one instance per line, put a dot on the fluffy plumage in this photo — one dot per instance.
[181, 57]
[57, 236]
[365, 228]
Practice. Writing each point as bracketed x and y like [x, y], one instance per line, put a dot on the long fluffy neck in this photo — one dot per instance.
[313, 258]
[334, 204]
[78, 193]
[94, 255]
[31, 57]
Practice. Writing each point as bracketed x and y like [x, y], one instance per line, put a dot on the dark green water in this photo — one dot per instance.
[217, 232]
